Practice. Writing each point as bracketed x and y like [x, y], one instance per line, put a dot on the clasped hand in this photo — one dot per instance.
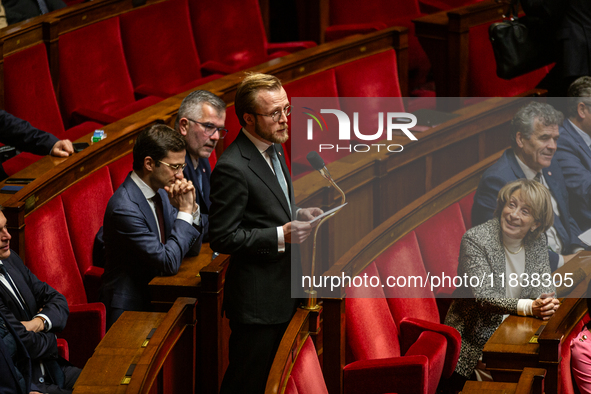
[182, 195]
[545, 306]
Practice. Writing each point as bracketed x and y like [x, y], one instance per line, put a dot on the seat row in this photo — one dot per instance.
[117, 66]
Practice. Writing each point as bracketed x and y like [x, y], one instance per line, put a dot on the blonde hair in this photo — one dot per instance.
[536, 196]
[246, 94]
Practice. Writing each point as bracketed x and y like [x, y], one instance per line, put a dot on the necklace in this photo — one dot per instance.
[508, 250]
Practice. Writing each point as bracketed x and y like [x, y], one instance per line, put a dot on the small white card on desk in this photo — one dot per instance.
[586, 237]
[318, 218]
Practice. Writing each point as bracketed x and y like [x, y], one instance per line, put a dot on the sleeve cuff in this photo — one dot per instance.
[49, 325]
[560, 261]
[524, 307]
[280, 239]
[194, 218]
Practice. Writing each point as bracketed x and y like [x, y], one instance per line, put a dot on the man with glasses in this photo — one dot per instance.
[152, 221]
[252, 219]
[200, 121]
[574, 152]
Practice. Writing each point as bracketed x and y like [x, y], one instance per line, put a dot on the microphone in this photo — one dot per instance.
[318, 164]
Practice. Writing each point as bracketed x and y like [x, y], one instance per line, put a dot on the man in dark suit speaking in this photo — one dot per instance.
[251, 218]
[151, 222]
[200, 121]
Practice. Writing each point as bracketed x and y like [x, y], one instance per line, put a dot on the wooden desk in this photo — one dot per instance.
[530, 382]
[509, 349]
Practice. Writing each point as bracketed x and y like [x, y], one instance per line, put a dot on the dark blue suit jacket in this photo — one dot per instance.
[203, 192]
[133, 252]
[12, 366]
[42, 346]
[574, 158]
[506, 170]
[20, 134]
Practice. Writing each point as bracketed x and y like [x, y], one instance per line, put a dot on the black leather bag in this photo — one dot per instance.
[520, 45]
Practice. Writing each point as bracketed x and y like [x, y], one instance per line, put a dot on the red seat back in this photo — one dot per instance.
[370, 11]
[28, 90]
[233, 126]
[402, 261]
[98, 79]
[371, 330]
[158, 41]
[306, 374]
[84, 205]
[119, 170]
[49, 253]
[229, 31]
[439, 239]
[466, 208]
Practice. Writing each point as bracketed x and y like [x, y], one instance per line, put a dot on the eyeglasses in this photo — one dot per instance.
[210, 129]
[277, 114]
[175, 167]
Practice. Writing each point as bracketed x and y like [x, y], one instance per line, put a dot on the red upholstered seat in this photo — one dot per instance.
[441, 249]
[466, 208]
[306, 374]
[375, 15]
[119, 170]
[49, 255]
[416, 347]
[63, 349]
[29, 95]
[84, 206]
[97, 85]
[230, 36]
[482, 75]
[322, 84]
[158, 41]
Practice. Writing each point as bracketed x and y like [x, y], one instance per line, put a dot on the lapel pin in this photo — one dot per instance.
[203, 169]
[279, 153]
[549, 173]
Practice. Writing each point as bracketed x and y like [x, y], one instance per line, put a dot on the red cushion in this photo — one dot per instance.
[466, 208]
[63, 349]
[306, 372]
[482, 75]
[119, 170]
[439, 239]
[232, 124]
[229, 31]
[291, 388]
[18, 162]
[158, 40]
[371, 330]
[49, 253]
[402, 260]
[98, 80]
[370, 11]
[28, 90]
[84, 205]
[432, 345]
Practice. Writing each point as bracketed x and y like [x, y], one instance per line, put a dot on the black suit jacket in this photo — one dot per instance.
[9, 378]
[20, 134]
[247, 206]
[42, 346]
[19, 10]
[202, 192]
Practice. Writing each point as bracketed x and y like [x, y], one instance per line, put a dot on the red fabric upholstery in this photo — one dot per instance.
[322, 84]
[236, 40]
[158, 40]
[372, 76]
[119, 170]
[50, 257]
[376, 15]
[403, 259]
[29, 95]
[84, 205]
[63, 349]
[441, 248]
[466, 208]
[306, 373]
[482, 75]
[99, 80]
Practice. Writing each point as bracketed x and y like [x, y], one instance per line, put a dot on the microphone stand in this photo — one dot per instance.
[312, 302]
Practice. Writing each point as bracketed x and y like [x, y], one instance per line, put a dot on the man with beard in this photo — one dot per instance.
[251, 218]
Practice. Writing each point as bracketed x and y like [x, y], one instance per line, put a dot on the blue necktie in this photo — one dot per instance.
[278, 171]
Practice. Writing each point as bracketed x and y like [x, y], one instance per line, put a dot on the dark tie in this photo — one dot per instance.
[43, 7]
[17, 294]
[160, 216]
[538, 177]
[278, 171]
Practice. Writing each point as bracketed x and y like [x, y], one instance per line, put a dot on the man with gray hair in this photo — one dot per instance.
[534, 132]
[574, 154]
[200, 121]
